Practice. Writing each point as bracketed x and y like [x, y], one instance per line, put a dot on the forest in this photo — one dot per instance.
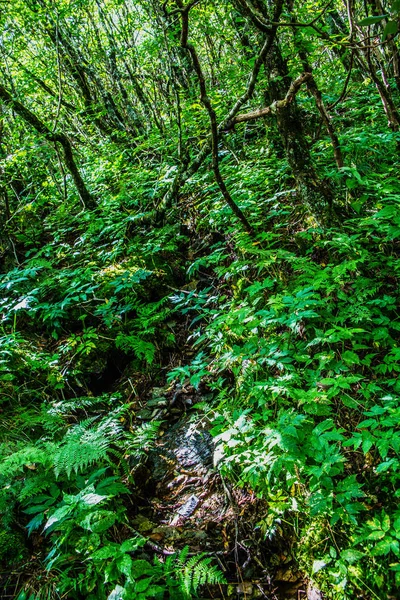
[199, 299]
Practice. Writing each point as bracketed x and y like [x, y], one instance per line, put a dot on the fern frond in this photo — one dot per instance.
[196, 572]
[52, 422]
[66, 407]
[34, 486]
[30, 455]
[142, 439]
[86, 443]
[142, 348]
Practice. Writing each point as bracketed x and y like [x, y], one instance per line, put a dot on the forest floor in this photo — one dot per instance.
[181, 500]
[184, 501]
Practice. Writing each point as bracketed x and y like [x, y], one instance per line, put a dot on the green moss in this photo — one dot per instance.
[12, 546]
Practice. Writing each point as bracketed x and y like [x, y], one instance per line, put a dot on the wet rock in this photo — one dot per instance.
[189, 507]
[193, 507]
[186, 447]
[186, 510]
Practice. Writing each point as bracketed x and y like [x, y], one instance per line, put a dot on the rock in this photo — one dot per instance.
[313, 593]
[189, 507]
[186, 510]
[185, 446]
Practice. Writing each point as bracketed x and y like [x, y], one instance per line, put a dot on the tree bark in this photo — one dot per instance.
[316, 194]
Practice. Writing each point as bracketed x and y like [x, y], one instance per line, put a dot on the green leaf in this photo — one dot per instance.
[57, 516]
[143, 584]
[390, 29]
[108, 551]
[103, 523]
[35, 523]
[124, 564]
[377, 534]
[372, 20]
[93, 499]
[351, 556]
[350, 357]
[386, 523]
[383, 547]
[141, 567]
[395, 547]
[132, 544]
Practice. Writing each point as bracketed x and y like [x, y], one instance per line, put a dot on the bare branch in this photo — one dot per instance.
[213, 121]
[183, 176]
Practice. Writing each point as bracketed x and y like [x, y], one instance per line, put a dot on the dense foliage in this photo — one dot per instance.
[227, 164]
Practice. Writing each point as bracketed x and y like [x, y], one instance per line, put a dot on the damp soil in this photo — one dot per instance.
[184, 501]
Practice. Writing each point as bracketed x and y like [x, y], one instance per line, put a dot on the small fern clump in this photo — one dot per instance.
[87, 443]
[24, 458]
[194, 572]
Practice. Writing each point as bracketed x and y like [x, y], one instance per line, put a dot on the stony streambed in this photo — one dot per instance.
[185, 502]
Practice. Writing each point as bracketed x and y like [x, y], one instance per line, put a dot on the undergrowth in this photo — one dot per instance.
[293, 325]
[299, 339]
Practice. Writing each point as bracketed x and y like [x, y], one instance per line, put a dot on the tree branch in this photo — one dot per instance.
[31, 119]
[183, 176]
[272, 108]
[213, 119]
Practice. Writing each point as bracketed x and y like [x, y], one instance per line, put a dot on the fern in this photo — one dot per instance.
[30, 455]
[52, 422]
[198, 572]
[195, 572]
[154, 313]
[142, 439]
[66, 407]
[85, 444]
[140, 347]
[34, 486]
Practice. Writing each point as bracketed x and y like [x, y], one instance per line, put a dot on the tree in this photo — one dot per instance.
[199, 227]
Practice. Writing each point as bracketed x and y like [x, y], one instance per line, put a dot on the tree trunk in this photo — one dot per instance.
[316, 194]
